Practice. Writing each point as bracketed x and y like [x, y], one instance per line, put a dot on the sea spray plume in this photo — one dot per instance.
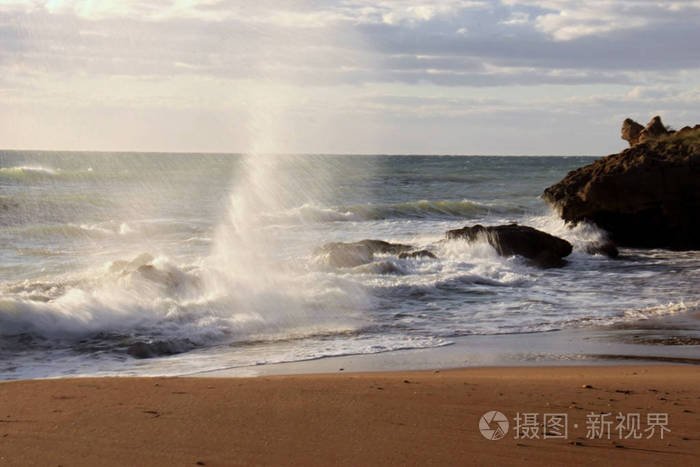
[263, 267]
[255, 284]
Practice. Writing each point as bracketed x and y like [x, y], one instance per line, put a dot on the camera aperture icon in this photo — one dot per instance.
[493, 425]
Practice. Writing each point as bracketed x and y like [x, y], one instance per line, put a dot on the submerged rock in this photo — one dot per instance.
[418, 254]
[541, 248]
[153, 349]
[380, 267]
[126, 267]
[646, 196]
[380, 246]
[604, 248]
[348, 255]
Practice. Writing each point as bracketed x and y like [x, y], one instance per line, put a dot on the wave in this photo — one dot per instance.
[38, 172]
[108, 229]
[622, 320]
[29, 169]
[266, 352]
[424, 209]
[379, 267]
[69, 231]
[661, 310]
[579, 235]
[154, 300]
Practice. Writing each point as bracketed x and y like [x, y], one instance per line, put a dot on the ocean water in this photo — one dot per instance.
[169, 264]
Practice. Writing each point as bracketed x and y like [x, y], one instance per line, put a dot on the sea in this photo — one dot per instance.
[180, 264]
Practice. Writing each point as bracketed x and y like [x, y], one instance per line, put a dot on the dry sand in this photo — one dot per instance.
[351, 419]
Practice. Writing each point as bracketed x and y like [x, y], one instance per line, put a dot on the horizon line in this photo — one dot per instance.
[289, 154]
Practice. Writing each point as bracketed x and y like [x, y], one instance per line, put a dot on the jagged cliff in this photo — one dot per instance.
[646, 196]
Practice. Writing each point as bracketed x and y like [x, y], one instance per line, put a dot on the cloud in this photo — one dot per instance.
[601, 39]
[566, 20]
[348, 59]
[518, 17]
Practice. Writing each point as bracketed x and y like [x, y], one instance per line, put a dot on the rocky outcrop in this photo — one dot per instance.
[346, 255]
[653, 130]
[150, 349]
[349, 255]
[631, 131]
[380, 246]
[634, 133]
[417, 254]
[605, 248]
[687, 131]
[541, 248]
[645, 196]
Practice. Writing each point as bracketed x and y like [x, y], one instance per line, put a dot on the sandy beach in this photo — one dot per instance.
[349, 233]
[427, 417]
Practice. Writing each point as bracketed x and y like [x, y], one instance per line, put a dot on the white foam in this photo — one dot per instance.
[670, 308]
[309, 212]
[29, 169]
[579, 235]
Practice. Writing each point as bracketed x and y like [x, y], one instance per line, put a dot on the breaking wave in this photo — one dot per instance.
[232, 277]
[153, 299]
[445, 209]
[38, 172]
[661, 310]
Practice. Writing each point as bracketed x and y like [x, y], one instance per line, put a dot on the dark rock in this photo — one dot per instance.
[418, 254]
[348, 255]
[172, 280]
[154, 274]
[646, 196]
[635, 133]
[604, 248]
[543, 249]
[380, 267]
[159, 348]
[653, 130]
[126, 267]
[380, 246]
[631, 131]
[548, 259]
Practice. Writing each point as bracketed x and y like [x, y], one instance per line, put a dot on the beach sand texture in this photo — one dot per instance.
[403, 418]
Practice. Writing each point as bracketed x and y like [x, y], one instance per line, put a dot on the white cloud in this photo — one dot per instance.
[518, 17]
[573, 23]
[571, 19]
[412, 12]
[290, 13]
[641, 92]
[315, 62]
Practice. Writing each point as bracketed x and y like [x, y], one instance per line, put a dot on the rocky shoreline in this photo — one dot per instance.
[540, 248]
[645, 196]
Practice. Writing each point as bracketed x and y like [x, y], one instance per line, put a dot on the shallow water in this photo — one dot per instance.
[207, 261]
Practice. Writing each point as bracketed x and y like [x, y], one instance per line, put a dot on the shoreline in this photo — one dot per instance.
[672, 339]
[412, 417]
[414, 406]
[660, 340]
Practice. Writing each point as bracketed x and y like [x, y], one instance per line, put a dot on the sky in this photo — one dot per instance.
[517, 77]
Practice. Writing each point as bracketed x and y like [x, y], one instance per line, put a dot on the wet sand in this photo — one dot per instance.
[349, 418]
[671, 340]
